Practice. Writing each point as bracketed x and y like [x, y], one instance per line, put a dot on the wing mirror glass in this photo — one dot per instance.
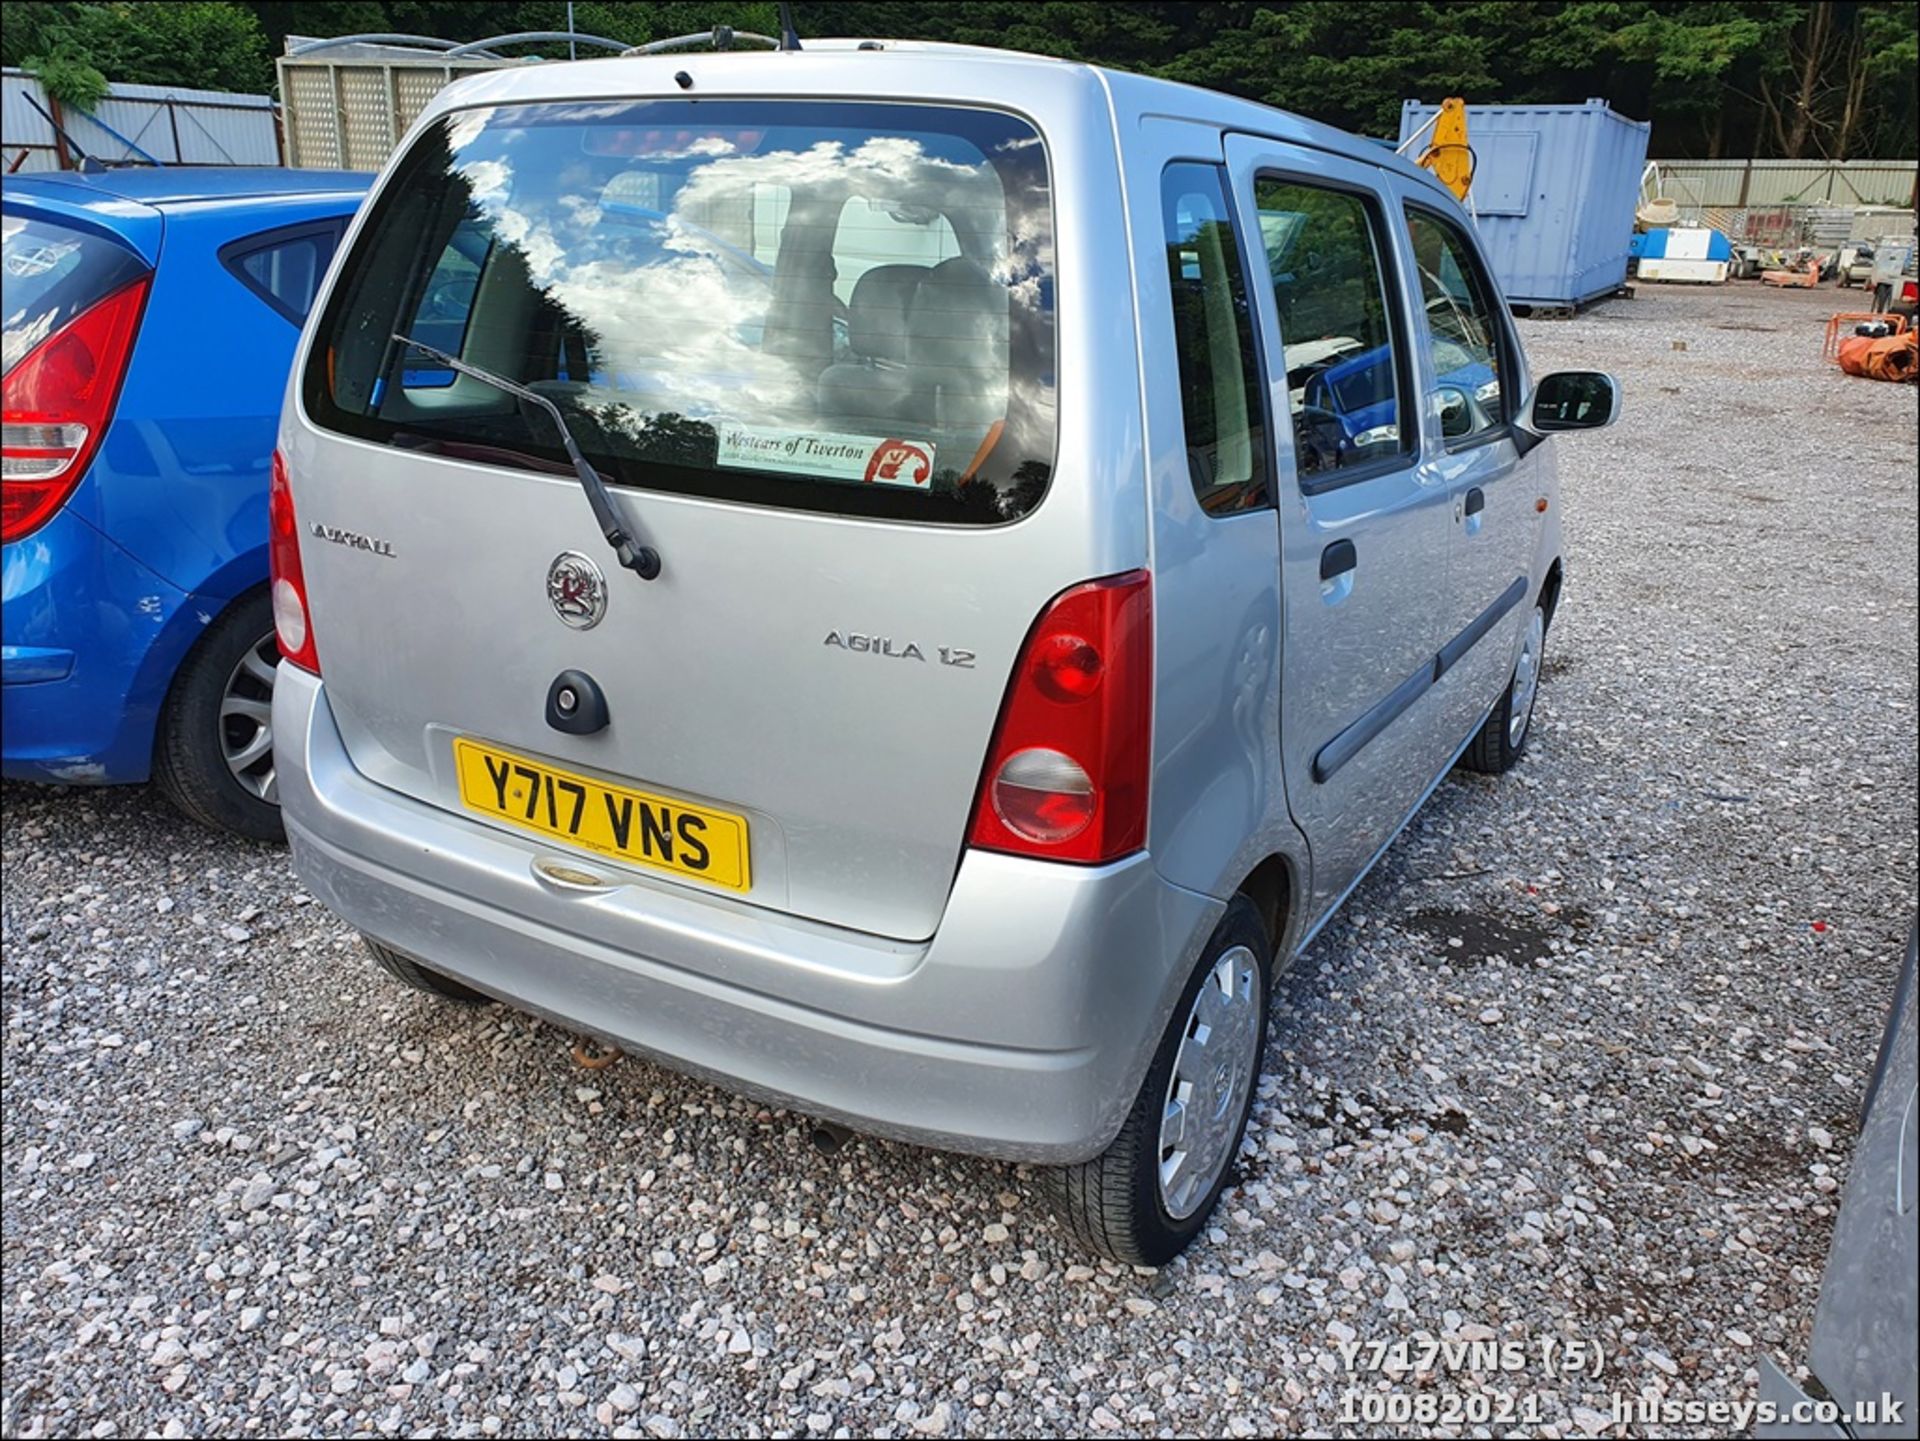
[1572, 400]
[1456, 412]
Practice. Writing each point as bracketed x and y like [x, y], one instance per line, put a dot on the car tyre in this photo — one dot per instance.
[406, 969]
[1122, 1203]
[213, 754]
[1503, 738]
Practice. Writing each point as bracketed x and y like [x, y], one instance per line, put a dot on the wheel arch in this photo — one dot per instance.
[195, 620]
[1273, 886]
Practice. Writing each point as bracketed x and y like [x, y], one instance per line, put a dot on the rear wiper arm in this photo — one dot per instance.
[642, 560]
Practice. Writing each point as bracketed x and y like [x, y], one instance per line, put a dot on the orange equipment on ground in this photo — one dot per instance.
[1795, 279]
[1893, 357]
[1831, 347]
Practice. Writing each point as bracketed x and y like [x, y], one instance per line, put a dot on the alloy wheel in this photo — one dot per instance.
[246, 720]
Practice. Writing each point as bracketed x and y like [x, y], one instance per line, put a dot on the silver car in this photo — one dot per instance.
[841, 572]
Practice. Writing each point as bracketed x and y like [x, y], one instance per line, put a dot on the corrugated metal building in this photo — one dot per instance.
[1554, 190]
[168, 123]
[1738, 183]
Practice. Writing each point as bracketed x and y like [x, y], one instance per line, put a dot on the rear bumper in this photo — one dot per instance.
[1021, 1030]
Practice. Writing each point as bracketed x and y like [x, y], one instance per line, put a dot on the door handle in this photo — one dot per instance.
[1476, 501]
[1337, 559]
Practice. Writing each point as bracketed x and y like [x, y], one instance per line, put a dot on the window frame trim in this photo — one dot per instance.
[1372, 201]
[234, 251]
[1500, 322]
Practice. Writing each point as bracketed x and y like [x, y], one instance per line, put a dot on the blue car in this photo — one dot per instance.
[1360, 391]
[149, 320]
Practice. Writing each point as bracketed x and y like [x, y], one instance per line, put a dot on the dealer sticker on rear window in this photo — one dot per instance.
[861, 458]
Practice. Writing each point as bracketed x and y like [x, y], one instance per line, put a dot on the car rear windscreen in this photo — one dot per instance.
[53, 272]
[823, 305]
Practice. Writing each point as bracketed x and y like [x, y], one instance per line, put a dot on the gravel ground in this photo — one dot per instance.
[1580, 1060]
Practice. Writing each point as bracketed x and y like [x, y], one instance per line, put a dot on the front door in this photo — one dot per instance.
[1365, 531]
[1471, 381]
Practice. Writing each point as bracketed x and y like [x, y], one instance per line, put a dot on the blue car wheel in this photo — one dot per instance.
[214, 754]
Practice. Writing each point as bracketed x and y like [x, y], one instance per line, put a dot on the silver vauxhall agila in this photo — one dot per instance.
[905, 580]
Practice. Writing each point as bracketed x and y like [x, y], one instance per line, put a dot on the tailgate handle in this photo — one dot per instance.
[576, 704]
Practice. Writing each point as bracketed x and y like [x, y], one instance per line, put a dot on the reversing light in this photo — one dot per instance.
[1043, 795]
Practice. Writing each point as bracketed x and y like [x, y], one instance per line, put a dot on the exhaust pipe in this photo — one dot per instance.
[828, 1138]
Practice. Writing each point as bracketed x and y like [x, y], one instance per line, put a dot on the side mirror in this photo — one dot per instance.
[1456, 412]
[1572, 400]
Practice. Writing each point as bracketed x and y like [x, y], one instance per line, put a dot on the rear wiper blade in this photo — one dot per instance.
[642, 560]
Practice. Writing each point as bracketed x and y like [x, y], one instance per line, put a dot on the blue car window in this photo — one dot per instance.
[284, 267]
[1462, 332]
[1344, 370]
[1213, 337]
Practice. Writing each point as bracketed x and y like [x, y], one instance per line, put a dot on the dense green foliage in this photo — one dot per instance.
[1717, 77]
[205, 43]
[66, 76]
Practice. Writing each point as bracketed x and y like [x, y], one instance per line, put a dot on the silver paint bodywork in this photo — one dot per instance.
[881, 972]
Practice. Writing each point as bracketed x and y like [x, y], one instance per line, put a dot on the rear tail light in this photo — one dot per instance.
[57, 403]
[1066, 776]
[290, 623]
[1910, 290]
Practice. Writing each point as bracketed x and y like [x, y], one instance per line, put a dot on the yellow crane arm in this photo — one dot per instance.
[1447, 154]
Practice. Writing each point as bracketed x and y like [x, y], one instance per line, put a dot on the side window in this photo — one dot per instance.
[1213, 335]
[284, 267]
[1462, 329]
[1344, 370]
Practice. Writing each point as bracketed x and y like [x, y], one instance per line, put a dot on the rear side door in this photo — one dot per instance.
[1365, 530]
[1471, 382]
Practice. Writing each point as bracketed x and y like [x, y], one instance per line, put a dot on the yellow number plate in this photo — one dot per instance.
[628, 825]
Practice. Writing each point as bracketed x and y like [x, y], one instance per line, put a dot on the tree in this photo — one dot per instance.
[201, 43]
[1716, 77]
[1692, 52]
[67, 77]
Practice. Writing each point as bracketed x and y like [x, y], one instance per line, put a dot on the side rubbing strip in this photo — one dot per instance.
[1345, 746]
[1453, 650]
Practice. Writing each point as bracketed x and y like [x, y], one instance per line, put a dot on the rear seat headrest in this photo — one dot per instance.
[877, 313]
[959, 317]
